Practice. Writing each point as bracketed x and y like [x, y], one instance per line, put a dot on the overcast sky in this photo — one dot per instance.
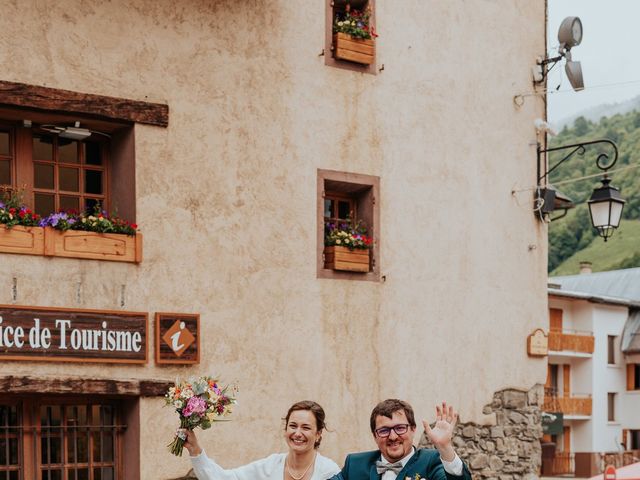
[608, 54]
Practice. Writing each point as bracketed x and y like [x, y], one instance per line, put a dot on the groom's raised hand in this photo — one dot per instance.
[442, 432]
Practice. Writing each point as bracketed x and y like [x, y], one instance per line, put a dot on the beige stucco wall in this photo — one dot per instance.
[226, 198]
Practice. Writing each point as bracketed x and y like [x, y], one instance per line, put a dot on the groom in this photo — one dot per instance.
[393, 427]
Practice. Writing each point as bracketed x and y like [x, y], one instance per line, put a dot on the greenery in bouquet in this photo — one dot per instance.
[199, 402]
[97, 221]
[355, 23]
[13, 212]
[347, 234]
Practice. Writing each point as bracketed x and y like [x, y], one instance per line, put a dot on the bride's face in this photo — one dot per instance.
[301, 433]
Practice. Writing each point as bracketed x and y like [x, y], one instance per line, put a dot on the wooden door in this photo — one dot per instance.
[555, 319]
[566, 380]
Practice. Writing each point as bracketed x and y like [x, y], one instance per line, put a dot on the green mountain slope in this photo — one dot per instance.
[571, 234]
[620, 251]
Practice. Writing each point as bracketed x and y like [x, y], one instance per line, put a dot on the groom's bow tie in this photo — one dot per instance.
[383, 467]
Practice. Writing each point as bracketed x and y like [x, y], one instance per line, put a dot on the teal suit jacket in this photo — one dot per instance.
[425, 462]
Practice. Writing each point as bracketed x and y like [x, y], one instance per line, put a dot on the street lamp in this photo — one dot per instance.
[605, 207]
[605, 204]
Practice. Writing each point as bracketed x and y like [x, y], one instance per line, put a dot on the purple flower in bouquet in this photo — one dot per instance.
[195, 405]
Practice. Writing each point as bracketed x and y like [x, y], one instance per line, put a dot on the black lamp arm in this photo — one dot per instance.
[579, 148]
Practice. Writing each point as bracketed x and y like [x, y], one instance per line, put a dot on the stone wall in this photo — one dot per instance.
[507, 445]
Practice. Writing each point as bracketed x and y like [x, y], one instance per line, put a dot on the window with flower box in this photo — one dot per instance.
[71, 151]
[348, 202]
[350, 35]
[53, 173]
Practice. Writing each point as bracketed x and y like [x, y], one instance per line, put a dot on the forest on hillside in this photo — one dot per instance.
[575, 232]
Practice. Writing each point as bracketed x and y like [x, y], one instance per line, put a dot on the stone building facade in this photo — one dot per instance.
[225, 128]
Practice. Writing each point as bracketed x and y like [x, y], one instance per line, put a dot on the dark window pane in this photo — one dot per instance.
[93, 181]
[71, 446]
[56, 449]
[44, 204]
[45, 413]
[55, 475]
[69, 179]
[5, 146]
[5, 172]
[83, 447]
[90, 204]
[107, 415]
[43, 175]
[3, 452]
[97, 474]
[97, 447]
[328, 207]
[44, 450]
[107, 447]
[68, 153]
[82, 414]
[107, 473]
[13, 451]
[56, 415]
[42, 148]
[83, 474]
[13, 475]
[69, 203]
[93, 156]
[13, 416]
[343, 210]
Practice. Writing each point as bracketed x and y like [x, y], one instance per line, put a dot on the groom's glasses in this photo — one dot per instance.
[400, 429]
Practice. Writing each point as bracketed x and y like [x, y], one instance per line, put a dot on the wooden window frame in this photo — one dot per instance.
[118, 166]
[329, 60]
[56, 163]
[365, 191]
[116, 116]
[32, 433]
[29, 393]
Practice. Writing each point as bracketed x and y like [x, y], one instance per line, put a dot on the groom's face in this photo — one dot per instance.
[394, 447]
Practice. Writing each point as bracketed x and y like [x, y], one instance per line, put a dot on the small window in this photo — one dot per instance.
[635, 439]
[348, 201]
[633, 376]
[611, 407]
[343, 50]
[611, 349]
[55, 173]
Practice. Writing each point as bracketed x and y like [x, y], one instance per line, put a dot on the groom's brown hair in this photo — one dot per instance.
[387, 407]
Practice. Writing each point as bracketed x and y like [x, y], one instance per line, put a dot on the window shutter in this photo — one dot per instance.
[630, 376]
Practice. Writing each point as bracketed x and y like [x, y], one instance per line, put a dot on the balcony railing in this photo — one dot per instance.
[589, 464]
[571, 340]
[563, 464]
[574, 405]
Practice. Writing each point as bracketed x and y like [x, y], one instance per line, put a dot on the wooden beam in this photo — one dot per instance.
[135, 388]
[96, 106]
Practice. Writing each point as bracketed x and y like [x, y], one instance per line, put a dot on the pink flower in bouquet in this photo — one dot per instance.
[195, 405]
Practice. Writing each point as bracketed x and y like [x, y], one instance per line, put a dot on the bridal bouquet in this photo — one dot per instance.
[199, 402]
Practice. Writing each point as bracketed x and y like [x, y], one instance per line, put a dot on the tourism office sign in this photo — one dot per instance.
[104, 336]
[60, 334]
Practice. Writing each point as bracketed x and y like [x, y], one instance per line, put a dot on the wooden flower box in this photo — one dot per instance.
[92, 245]
[341, 258]
[17, 239]
[345, 47]
[71, 244]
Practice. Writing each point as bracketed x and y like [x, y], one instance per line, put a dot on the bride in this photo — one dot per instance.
[304, 424]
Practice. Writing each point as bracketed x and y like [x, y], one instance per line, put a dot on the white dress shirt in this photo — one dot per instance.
[454, 467]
